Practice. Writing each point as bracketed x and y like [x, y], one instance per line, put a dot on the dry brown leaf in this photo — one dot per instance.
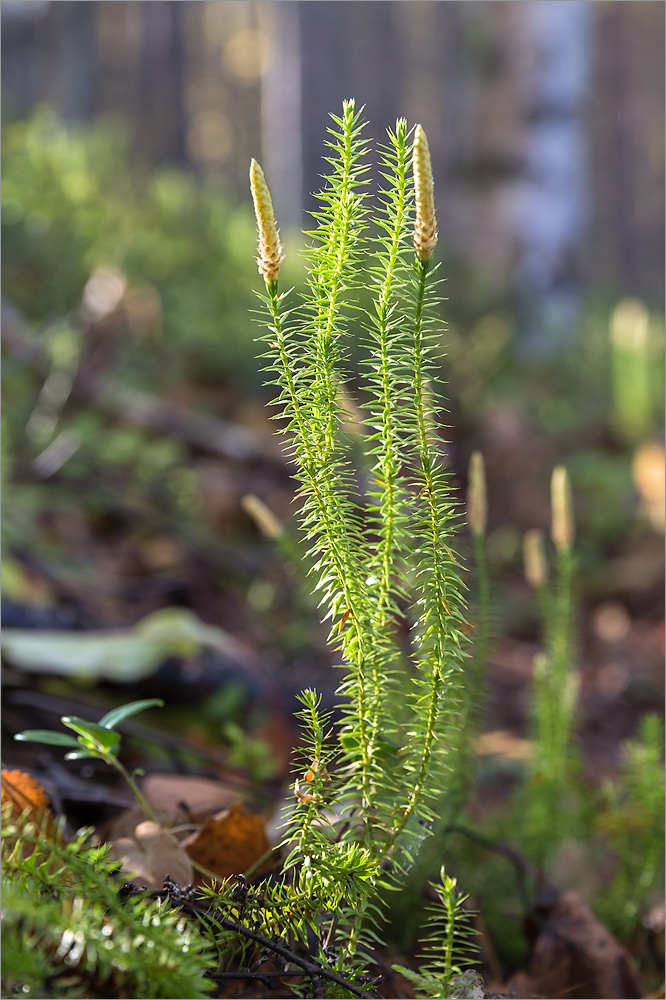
[648, 472]
[503, 743]
[228, 843]
[24, 792]
[26, 795]
[575, 956]
[202, 797]
[151, 855]
[654, 923]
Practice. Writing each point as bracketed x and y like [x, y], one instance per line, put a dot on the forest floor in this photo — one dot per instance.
[105, 551]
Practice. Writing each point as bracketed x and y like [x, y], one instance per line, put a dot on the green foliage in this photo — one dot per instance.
[124, 656]
[554, 804]
[635, 391]
[66, 930]
[632, 820]
[71, 204]
[69, 927]
[550, 794]
[97, 741]
[77, 207]
[378, 539]
[379, 553]
[448, 946]
[378, 556]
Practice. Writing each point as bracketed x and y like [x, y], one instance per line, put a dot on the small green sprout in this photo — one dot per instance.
[97, 740]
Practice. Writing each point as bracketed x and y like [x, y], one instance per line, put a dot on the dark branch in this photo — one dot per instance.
[215, 916]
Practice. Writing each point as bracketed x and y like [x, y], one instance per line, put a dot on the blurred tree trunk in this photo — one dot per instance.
[281, 109]
[626, 247]
[49, 52]
[499, 87]
[347, 50]
[551, 205]
[161, 119]
[22, 58]
[510, 140]
[75, 58]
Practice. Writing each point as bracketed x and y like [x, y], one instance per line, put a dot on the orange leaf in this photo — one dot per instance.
[26, 795]
[24, 792]
[228, 843]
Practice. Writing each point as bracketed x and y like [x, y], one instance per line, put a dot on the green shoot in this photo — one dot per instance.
[380, 555]
[99, 741]
[448, 947]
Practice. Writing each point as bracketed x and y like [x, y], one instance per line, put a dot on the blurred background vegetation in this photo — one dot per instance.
[135, 422]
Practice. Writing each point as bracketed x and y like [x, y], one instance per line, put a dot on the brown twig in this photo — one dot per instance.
[266, 977]
[255, 975]
[524, 867]
[311, 969]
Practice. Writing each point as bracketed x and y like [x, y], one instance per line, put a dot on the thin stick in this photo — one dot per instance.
[311, 969]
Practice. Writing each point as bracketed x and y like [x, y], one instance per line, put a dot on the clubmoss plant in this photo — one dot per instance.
[633, 395]
[381, 556]
[449, 944]
[67, 930]
[477, 514]
[550, 793]
[473, 693]
[378, 538]
[631, 817]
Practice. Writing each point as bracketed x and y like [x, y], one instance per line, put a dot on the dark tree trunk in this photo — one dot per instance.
[161, 112]
[348, 50]
[281, 103]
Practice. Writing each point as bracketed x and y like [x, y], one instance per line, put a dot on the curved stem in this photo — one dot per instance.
[136, 791]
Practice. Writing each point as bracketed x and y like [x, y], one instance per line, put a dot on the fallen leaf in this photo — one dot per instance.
[24, 792]
[26, 796]
[229, 842]
[503, 743]
[122, 655]
[186, 795]
[648, 472]
[575, 956]
[151, 855]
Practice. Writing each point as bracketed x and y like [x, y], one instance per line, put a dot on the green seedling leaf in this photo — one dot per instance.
[92, 732]
[122, 655]
[46, 736]
[118, 715]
